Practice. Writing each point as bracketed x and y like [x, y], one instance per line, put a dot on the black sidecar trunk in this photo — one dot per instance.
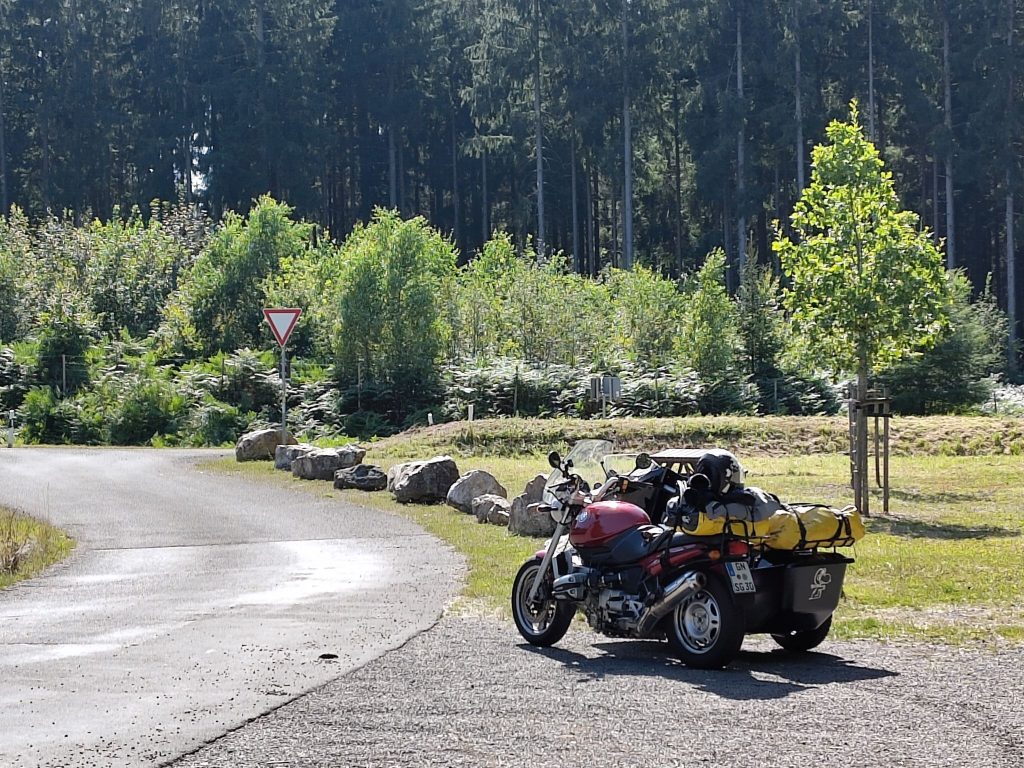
[795, 592]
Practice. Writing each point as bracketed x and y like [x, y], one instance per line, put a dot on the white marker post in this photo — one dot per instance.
[282, 322]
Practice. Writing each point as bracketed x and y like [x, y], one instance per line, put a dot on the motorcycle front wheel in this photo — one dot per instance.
[544, 621]
[706, 629]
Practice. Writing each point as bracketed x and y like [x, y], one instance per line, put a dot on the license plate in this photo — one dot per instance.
[739, 575]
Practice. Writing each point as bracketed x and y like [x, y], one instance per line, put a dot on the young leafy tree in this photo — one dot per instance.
[709, 340]
[865, 282]
[389, 307]
[223, 293]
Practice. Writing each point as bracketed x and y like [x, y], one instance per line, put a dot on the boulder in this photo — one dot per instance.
[362, 477]
[492, 508]
[534, 490]
[529, 519]
[424, 481]
[321, 464]
[472, 485]
[525, 519]
[396, 471]
[261, 444]
[284, 455]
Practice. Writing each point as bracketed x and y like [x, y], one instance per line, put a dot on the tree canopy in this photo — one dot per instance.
[435, 107]
[866, 283]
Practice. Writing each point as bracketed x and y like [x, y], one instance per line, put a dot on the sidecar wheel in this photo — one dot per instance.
[706, 630]
[798, 642]
[546, 620]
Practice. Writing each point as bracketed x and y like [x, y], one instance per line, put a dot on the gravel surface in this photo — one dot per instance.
[469, 692]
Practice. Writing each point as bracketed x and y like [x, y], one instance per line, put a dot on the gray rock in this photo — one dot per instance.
[534, 491]
[492, 508]
[351, 455]
[525, 519]
[260, 445]
[529, 519]
[323, 463]
[396, 471]
[472, 485]
[425, 481]
[363, 477]
[284, 455]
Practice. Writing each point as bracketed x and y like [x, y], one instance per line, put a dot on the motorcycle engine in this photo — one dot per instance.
[613, 612]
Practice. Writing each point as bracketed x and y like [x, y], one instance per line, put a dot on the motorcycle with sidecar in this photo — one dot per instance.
[618, 556]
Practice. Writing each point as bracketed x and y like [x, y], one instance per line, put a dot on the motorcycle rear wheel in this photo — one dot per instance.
[800, 642]
[706, 629]
[545, 621]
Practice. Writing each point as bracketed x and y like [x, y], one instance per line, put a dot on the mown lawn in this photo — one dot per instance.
[944, 564]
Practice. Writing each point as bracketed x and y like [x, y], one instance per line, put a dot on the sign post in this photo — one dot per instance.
[282, 322]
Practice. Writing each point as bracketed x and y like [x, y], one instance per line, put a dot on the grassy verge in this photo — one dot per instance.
[28, 546]
[745, 435]
[943, 565]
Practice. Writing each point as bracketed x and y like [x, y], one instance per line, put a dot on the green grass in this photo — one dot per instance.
[28, 546]
[944, 565]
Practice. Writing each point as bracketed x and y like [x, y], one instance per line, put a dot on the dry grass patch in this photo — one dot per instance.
[28, 546]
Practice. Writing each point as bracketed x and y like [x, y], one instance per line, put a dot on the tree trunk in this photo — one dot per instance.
[577, 260]
[402, 205]
[935, 199]
[539, 130]
[456, 207]
[741, 184]
[593, 221]
[261, 104]
[4, 204]
[800, 180]
[483, 198]
[677, 163]
[392, 167]
[871, 73]
[392, 159]
[613, 217]
[627, 151]
[1011, 265]
[862, 482]
[186, 167]
[950, 226]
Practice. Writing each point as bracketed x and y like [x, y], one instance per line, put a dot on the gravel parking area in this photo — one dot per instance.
[469, 692]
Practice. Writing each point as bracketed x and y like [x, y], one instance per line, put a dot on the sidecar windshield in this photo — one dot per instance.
[586, 458]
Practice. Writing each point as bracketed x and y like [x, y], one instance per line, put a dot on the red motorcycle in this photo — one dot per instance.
[634, 579]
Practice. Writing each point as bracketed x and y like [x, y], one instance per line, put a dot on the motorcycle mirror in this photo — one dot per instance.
[643, 461]
[555, 460]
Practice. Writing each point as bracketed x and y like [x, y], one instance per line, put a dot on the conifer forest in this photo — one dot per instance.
[639, 152]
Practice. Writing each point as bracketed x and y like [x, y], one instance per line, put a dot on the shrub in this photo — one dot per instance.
[143, 408]
[212, 422]
[957, 372]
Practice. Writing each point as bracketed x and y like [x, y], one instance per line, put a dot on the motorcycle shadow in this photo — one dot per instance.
[753, 675]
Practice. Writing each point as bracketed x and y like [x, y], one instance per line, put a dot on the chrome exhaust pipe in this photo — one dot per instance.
[680, 589]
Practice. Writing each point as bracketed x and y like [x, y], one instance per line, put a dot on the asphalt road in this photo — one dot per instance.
[194, 603]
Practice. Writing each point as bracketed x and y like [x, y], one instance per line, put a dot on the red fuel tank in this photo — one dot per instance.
[602, 521]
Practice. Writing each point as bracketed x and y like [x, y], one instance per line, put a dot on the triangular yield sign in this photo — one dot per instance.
[282, 322]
